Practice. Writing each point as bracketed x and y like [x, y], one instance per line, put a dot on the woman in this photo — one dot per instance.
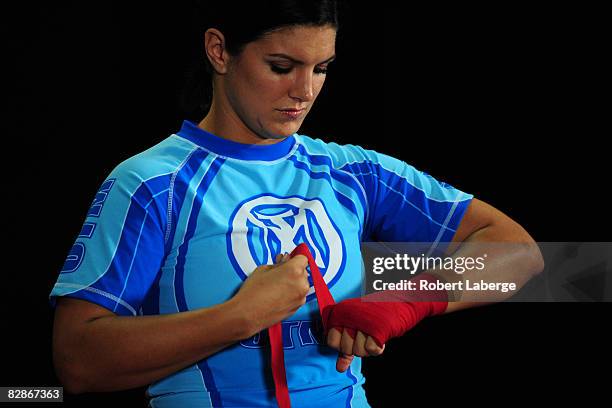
[172, 281]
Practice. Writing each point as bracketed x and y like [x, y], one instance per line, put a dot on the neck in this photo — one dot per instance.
[223, 122]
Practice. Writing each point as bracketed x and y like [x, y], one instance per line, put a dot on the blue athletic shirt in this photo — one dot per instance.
[181, 225]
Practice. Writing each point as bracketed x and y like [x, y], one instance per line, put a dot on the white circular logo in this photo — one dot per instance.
[267, 225]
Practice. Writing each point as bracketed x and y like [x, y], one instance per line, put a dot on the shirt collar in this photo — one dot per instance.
[228, 148]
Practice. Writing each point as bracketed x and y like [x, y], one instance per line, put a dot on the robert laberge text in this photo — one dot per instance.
[480, 285]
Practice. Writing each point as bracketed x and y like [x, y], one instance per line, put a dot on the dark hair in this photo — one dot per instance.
[242, 23]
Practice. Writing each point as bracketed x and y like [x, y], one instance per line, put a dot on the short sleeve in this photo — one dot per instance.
[405, 204]
[120, 248]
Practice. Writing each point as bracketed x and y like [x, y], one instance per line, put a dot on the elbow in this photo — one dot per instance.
[72, 383]
[539, 262]
[534, 260]
[531, 254]
[70, 369]
[70, 376]
[76, 359]
[73, 386]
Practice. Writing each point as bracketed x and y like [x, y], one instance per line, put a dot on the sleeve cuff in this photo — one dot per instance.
[101, 298]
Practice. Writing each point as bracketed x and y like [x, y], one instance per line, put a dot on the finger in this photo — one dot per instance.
[372, 348]
[278, 258]
[298, 266]
[359, 345]
[333, 338]
[300, 260]
[346, 343]
[265, 267]
[343, 362]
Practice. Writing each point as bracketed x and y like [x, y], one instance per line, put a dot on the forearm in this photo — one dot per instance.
[511, 257]
[114, 352]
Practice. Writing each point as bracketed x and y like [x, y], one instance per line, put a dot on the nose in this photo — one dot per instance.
[302, 88]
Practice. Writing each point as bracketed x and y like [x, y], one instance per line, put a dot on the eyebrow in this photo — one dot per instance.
[298, 62]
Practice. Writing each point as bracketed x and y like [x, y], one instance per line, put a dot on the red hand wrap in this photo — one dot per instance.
[388, 314]
[382, 315]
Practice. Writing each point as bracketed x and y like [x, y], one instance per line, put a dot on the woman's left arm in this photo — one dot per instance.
[512, 256]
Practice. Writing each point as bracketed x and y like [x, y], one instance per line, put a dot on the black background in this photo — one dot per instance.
[505, 102]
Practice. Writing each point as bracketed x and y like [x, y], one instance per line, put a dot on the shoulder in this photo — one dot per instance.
[350, 155]
[369, 165]
[157, 162]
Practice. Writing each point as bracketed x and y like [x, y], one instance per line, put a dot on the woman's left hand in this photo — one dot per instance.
[362, 345]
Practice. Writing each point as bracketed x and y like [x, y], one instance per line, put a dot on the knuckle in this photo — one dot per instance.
[300, 294]
[296, 270]
[347, 348]
[301, 260]
[372, 349]
[360, 351]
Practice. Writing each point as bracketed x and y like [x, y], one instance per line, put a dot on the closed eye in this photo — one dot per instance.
[280, 70]
[320, 70]
[285, 70]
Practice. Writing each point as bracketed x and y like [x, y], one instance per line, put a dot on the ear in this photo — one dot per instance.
[214, 46]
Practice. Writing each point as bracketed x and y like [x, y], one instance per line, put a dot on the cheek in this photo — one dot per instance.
[267, 87]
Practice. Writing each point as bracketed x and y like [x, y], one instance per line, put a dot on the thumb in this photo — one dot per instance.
[343, 362]
[281, 258]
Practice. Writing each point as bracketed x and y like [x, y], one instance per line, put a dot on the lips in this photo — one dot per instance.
[291, 110]
[291, 113]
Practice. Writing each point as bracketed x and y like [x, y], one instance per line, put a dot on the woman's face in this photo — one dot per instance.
[274, 82]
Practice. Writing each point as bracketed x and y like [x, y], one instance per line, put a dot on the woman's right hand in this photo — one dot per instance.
[274, 292]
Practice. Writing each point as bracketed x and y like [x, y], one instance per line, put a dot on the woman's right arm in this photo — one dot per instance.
[97, 350]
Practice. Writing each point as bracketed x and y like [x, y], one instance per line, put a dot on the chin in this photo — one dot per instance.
[284, 130]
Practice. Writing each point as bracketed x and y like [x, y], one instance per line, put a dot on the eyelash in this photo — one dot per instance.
[283, 71]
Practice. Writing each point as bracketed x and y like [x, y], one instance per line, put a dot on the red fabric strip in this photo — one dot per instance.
[324, 299]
